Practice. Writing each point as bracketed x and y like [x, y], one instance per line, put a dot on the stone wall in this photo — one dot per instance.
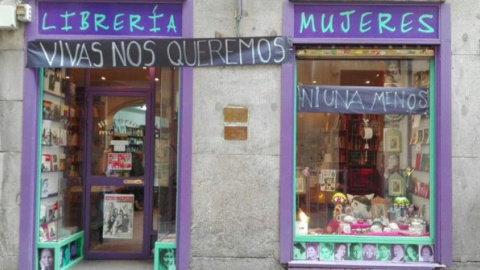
[11, 100]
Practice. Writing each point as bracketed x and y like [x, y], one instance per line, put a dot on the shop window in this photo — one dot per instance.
[364, 153]
[165, 170]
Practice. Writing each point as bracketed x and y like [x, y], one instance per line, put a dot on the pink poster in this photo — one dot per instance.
[120, 161]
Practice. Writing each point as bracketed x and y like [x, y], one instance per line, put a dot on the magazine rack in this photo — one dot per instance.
[59, 181]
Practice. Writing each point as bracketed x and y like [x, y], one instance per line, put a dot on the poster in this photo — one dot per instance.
[118, 216]
[120, 161]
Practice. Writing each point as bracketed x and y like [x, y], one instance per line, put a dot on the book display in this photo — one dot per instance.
[60, 173]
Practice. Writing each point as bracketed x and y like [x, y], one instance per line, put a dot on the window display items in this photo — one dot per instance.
[301, 223]
[118, 216]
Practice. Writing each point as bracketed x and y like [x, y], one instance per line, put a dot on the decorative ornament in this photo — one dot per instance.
[339, 198]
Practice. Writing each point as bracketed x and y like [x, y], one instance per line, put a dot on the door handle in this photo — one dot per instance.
[133, 181]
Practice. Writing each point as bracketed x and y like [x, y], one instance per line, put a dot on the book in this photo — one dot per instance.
[43, 233]
[62, 159]
[44, 188]
[52, 230]
[46, 132]
[49, 213]
[43, 214]
[47, 109]
[54, 163]
[46, 163]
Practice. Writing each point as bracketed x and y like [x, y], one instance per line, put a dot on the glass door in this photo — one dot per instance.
[118, 185]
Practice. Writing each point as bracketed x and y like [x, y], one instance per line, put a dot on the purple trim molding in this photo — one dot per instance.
[443, 237]
[185, 154]
[443, 155]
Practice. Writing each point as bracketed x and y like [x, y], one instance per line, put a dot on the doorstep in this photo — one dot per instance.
[114, 265]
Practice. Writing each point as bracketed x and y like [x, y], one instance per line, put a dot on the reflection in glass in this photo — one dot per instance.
[118, 135]
[364, 174]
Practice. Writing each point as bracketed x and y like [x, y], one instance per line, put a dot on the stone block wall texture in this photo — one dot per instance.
[11, 101]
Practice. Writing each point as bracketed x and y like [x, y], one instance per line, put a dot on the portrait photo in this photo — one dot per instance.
[411, 254]
[426, 253]
[167, 259]
[355, 252]
[299, 251]
[340, 252]
[398, 253]
[312, 251]
[369, 252]
[46, 259]
[383, 252]
[326, 252]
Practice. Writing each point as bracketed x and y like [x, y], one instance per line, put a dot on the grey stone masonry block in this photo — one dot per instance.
[465, 27]
[235, 206]
[465, 266]
[465, 109]
[10, 179]
[11, 123]
[257, 88]
[234, 264]
[11, 74]
[465, 190]
[219, 19]
[9, 235]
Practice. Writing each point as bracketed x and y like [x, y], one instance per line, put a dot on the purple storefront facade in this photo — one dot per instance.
[329, 25]
[108, 20]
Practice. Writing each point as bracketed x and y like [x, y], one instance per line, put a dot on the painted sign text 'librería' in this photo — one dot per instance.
[128, 19]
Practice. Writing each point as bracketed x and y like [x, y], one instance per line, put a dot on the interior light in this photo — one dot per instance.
[156, 79]
[144, 67]
[103, 78]
[367, 82]
[314, 81]
[67, 77]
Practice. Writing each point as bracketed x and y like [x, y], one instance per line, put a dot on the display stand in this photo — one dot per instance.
[59, 170]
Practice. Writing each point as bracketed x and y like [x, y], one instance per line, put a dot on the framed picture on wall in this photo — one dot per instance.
[393, 141]
[396, 185]
[300, 185]
[379, 207]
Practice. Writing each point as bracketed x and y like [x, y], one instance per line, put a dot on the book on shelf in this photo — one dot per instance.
[52, 229]
[46, 163]
[44, 188]
[43, 214]
[47, 109]
[54, 162]
[62, 159]
[46, 132]
[43, 234]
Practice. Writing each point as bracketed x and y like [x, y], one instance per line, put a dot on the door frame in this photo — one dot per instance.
[148, 94]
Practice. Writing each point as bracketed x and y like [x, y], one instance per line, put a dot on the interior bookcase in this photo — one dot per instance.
[59, 239]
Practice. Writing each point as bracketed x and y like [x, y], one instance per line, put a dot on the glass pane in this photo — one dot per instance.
[115, 223]
[131, 77]
[363, 174]
[118, 136]
[166, 125]
[61, 179]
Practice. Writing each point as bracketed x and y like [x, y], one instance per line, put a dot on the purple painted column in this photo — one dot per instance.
[443, 237]
[185, 153]
[26, 252]
[286, 147]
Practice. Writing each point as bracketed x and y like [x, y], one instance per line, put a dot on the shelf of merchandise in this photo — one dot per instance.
[67, 250]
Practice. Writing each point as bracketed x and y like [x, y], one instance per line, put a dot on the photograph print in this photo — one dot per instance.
[118, 216]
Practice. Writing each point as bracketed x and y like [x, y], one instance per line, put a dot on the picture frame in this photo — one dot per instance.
[379, 208]
[300, 185]
[393, 141]
[396, 185]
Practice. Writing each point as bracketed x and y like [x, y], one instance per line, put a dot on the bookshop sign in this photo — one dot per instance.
[159, 52]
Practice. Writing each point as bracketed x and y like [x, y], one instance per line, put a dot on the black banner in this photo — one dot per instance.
[362, 100]
[159, 53]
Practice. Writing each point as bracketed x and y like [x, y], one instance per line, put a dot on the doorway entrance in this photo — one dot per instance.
[127, 112]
